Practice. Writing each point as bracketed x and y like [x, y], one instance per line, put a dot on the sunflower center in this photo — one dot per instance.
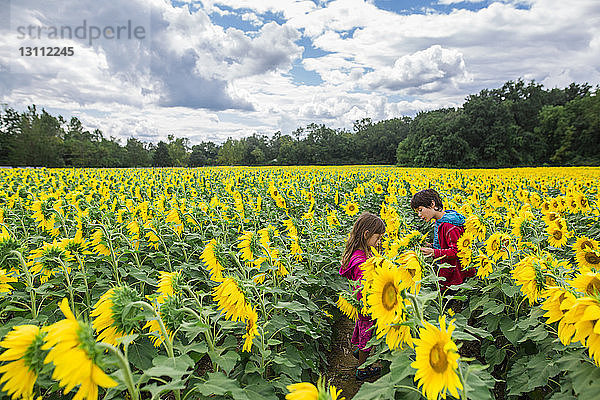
[585, 244]
[438, 358]
[557, 234]
[593, 286]
[389, 297]
[592, 258]
[495, 245]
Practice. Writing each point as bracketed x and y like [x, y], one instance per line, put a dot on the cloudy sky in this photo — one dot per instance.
[213, 69]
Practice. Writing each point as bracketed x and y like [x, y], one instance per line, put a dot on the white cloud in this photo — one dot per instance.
[434, 65]
[448, 2]
[185, 60]
[252, 18]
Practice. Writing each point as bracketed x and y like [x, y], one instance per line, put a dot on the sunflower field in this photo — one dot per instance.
[223, 283]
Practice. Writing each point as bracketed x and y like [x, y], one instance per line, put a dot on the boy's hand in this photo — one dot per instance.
[427, 251]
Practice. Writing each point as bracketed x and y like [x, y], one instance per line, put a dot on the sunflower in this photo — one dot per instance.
[437, 360]
[332, 219]
[572, 205]
[23, 350]
[171, 314]
[302, 391]
[412, 239]
[555, 298]
[168, 284]
[484, 266]
[589, 259]
[475, 227]
[76, 247]
[496, 200]
[584, 314]
[45, 260]
[249, 246]
[377, 188]
[582, 246]
[582, 202]
[44, 216]
[351, 208]
[557, 237]
[4, 234]
[5, 280]
[296, 251]
[251, 329]
[397, 333]
[529, 273]
[518, 224]
[231, 300]
[174, 218]
[584, 243]
[497, 246]
[109, 322]
[214, 267]
[465, 242]
[587, 283]
[153, 239]
[73, 352]
[99, 243]
[347, 308]
[385, 299]
[308, 391]
[133, 229]
[291, 229]
[412, 271]
[555, 218]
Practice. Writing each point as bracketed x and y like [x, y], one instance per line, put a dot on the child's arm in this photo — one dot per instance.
[449, 253]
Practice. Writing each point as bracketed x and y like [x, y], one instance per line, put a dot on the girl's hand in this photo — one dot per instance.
[427, 251]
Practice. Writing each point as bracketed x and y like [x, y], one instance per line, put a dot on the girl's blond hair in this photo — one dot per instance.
[367, 222]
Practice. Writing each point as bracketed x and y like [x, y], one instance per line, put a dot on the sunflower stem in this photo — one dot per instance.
[68, 284]
[166, 338]
[85, 282]
[113, 258]
[209, 340]
[29, 280]
[462, 381]
[415, 304]
[409, 388]
[124, 364]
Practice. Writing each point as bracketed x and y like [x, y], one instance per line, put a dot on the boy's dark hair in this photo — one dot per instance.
[356, 240]
[424, 198]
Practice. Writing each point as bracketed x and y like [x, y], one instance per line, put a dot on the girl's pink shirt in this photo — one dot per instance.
[353, 271]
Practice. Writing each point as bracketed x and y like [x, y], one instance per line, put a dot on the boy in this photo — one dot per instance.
[447, 230]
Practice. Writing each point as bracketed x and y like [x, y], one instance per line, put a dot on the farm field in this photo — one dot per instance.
[223, 283]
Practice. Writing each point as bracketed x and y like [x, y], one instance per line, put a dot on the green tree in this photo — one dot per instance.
[205, 153]
[136, 154]
[232, 152]
[161, 156]
[178, 151]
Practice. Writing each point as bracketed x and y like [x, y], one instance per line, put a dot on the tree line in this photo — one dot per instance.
[518, 124]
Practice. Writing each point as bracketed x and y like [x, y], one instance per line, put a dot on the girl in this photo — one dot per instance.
[366, 233]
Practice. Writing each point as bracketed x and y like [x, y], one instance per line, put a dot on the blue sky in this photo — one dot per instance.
[213, 69]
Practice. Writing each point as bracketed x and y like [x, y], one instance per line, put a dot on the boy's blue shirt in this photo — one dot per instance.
[451, 217]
